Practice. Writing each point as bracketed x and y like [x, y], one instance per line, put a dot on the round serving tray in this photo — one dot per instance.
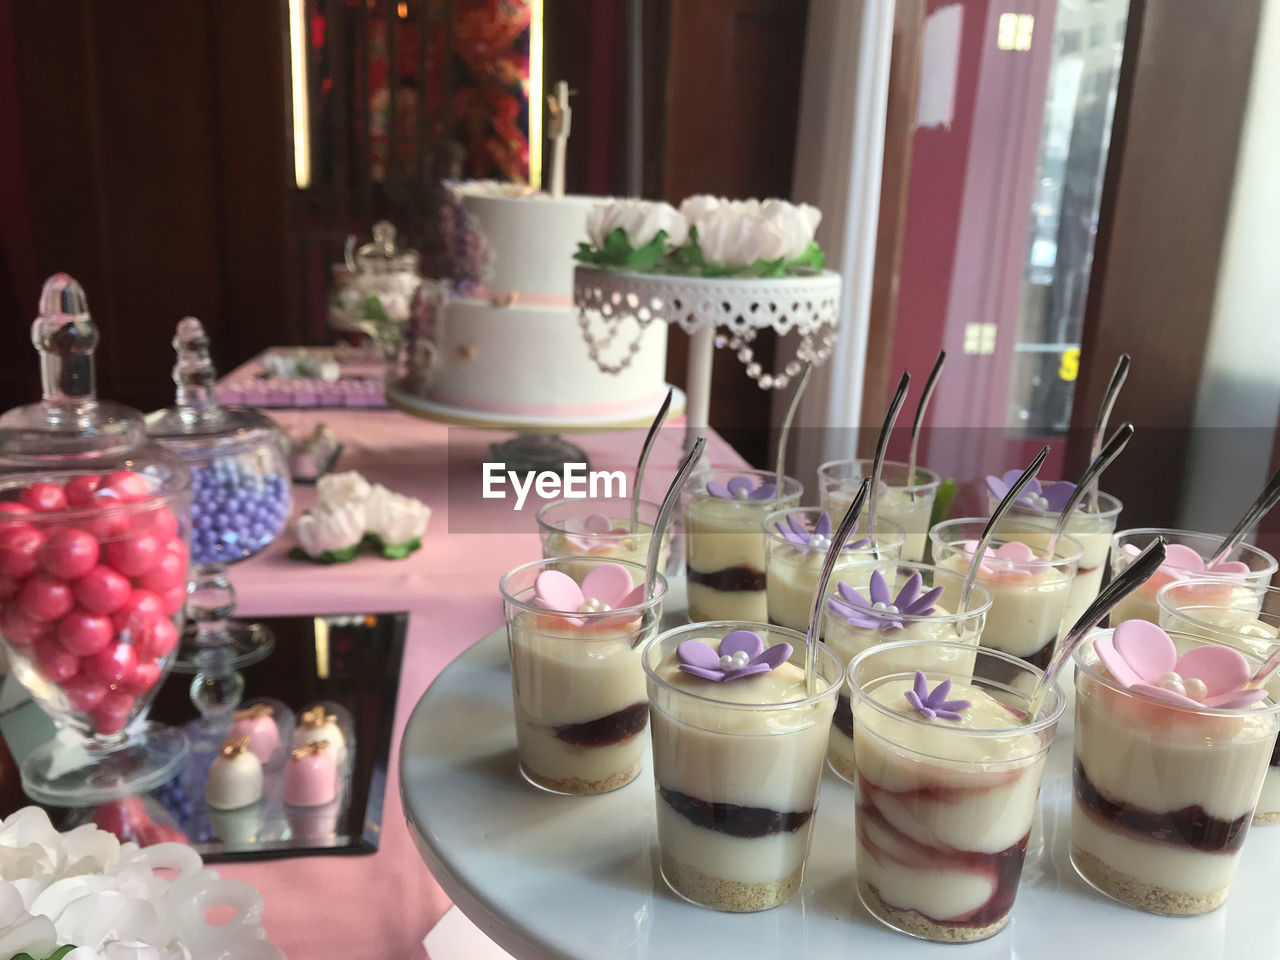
[547, 876]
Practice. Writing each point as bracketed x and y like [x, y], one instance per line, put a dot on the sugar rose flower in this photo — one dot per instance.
[640, 220]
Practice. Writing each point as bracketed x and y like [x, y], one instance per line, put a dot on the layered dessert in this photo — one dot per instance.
[1035, 515]
[725, 542]
[1029, 591]
[906, 502]
[738, 745]
[1185, 554]
[1226, 613]
[577, 685]
[948, 775]
[582, 532]
[916, 602]
[1171, 749]
[796, 546]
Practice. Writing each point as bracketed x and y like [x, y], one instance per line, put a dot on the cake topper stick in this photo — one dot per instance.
[1100, 462]
[785, 433]
[560, 120]
[997, 515]
[654, 427]
[925, 397]
[1266, 500]
[1118, 377]
[838, 538]
[664, 514]
[1124, 583]
[882, 447]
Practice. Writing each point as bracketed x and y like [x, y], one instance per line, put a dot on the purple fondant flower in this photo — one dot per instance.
[819, 538]
[934, 705]
[883, 611]
[1035, 498]
[742, 488]
[740, 654]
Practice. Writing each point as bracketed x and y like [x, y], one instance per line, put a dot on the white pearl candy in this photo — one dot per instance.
[592, 605]
[885, 607]
[741, 493]
[819, 542]
[1173, 683]
[1038, 501]
[735, 661]
[1196, 689]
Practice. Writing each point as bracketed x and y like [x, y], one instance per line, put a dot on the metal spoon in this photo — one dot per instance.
[664, 514]
[1123, 584]
[1118, 377]
[1266, 500]
[838, 539]
[882, 447]
[785, 433]
[997, 515]
[1090, 476]
[915, 424]
[1267, 668]
[654, 427]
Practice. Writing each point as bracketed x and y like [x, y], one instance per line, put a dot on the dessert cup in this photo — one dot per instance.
[852, 623]
[737, 763]
[1225, 612]
[1163, 792]
[725, 541]
[1091, 529]
[945, 802]
[577, 685]
[1029, 590]
[598, 528]
[908, 504]
[1186, 551]
[796, 542]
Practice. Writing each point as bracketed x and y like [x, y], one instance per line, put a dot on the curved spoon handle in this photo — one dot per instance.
[1118, 377]
[1266, 500]
[882, 447]
[664, 512]
[838, 539]
[785, 433]
[654, 427]
[925, 397]
[997, 515]
[1124, 583]
[1109, 452]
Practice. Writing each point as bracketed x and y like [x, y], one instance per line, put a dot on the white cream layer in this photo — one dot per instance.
[792, 579]
[895, 505]
[1026, 613]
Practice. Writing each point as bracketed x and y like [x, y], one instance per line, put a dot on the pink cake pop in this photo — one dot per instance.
[257, 724]
[311, 775]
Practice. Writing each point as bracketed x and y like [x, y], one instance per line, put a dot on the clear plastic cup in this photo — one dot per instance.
[945, 806]
[724, 543]
[577, 686]
[1089, 528]
[1141, 604]
[1163, 794]
[737, 766]
[908, 503]
[599, 528]
[848, 638]
[1235, 616]
[792, 568]
[1028, 597]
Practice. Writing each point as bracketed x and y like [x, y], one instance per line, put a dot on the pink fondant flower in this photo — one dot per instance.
[605, 587]
[1009, 561]
[585, 532]
[1182, 563]
[1143, 658]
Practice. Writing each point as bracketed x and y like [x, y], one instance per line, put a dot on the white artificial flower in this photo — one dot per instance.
[331, 527]
[640, 220]
[699, 207]
[735, 236]
[395, 305]
[342, 487]
[393, 518]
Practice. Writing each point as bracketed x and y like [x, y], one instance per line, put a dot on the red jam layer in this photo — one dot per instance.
[992, 668]
[1189, 827]
[730, 579]
[731, 819]
[843, 718]
[615, 728]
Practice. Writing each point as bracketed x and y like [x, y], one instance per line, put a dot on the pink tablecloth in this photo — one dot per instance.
[382, 906]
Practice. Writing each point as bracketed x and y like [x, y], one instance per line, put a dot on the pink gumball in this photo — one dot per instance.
[102, 590]
[44, 497]
[19, 629]
[20, 549]
[138, 611]
[157, 640]
[173, 599]
[69, 553]
[121, 817]
[145, 676]
[161, 833]
[177, 545]
[125, 486]
[8, 586]
[84, 694]
[159, 521]
[54, 662]
[112, 714]
[80, 490]
[134, 555]
[85, 634]
[169, 571]
[113, 664]
[44, 597]
[12, 506]
[110, 522]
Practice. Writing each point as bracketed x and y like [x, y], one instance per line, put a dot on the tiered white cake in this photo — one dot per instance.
[515, 347]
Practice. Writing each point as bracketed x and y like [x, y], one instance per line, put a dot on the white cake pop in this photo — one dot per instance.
[235, 777]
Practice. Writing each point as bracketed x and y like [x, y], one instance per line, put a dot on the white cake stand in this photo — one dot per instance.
[610, 301]
[576, 878]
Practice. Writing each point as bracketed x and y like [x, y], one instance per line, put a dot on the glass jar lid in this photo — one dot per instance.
[382, 256]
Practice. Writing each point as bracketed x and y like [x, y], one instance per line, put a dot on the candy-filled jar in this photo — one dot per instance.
[240, 501]
[94, 528]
